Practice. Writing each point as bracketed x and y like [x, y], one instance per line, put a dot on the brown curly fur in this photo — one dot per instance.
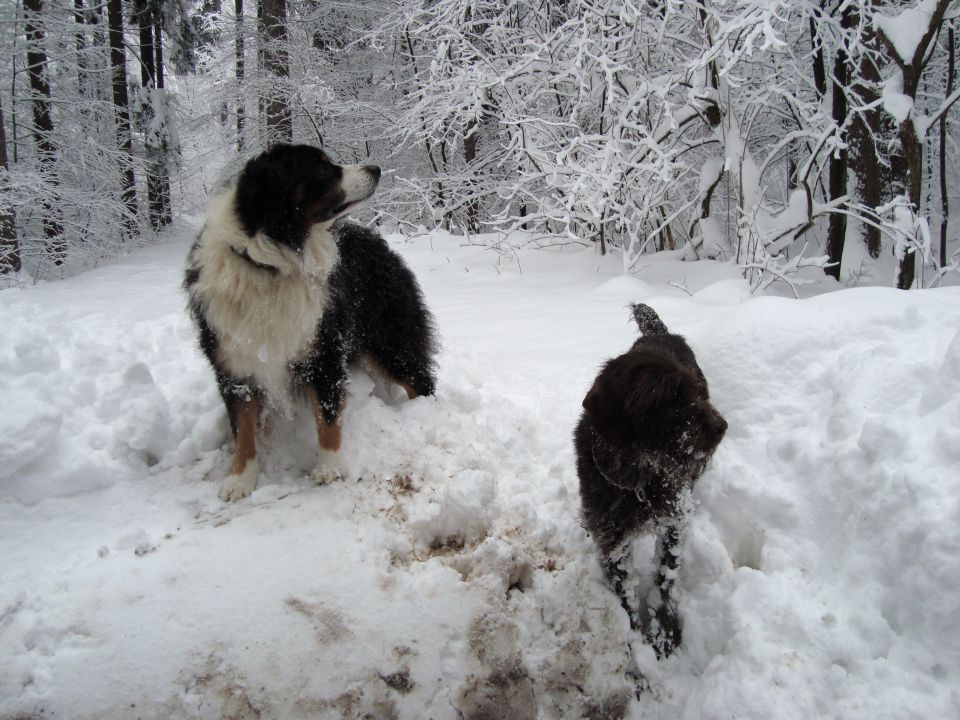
[646, 433]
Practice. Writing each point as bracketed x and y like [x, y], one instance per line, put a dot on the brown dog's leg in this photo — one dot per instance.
[243, 478]
[329, 437]
[246, 451]
[328, 433]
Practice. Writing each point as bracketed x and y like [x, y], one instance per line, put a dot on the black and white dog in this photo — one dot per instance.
[284, 300]
[645, 435]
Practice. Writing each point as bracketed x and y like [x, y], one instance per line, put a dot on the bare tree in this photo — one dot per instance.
[911, 141]
[944, 195]
[239, 71]
[43, 123]
[273, 49]
[121, 101]
[837, 224]
[10, 261]
[153, 113]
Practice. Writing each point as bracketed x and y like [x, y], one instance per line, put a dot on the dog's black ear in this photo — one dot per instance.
[607, 410]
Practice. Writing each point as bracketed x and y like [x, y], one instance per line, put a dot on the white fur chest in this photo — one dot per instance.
[264, 320]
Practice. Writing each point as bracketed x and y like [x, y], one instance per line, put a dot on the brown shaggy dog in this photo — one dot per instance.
[645, 436]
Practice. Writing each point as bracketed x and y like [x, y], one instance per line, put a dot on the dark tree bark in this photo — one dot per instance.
[470, 138]
[913, 155]
[121, 102]
[273, 38]
[167, 209]
[944, 201]
[10, 261]
[872, 176]
[240, 73]
[144, 15]
[94, 17]
[819, 63]
[837, 227]
[43, 123]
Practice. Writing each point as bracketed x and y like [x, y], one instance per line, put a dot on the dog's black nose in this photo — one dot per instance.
[373, 170]
[720, 427]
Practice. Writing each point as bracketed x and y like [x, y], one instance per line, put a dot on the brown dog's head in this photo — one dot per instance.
[286, 190]
[647, 403]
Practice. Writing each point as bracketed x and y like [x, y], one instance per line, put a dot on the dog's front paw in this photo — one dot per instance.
[330, 468]
[665, 632]
[239, 485]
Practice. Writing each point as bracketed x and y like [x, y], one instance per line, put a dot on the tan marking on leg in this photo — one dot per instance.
[328, 434]
[375, 368]
[248, 414]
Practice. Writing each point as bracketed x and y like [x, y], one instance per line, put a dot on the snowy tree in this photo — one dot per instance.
[74, 195]
[909, 38]
[151, 112]
[639, 126]
[9, 244]
[43, 124]
[768, 133]
[275, 64]
[121, 101]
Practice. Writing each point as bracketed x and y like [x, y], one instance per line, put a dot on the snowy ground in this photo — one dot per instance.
[449, 576]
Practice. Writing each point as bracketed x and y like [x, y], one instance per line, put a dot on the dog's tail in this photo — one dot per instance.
[647, 320]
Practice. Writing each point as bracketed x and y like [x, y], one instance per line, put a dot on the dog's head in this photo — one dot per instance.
[645, 402]
[288, 189]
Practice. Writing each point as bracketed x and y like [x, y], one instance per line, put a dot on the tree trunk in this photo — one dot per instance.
[148, 64]
[470, 137]
[121, 102]
[166, 215]
[912, 144]
[151, 80]
[872, 176]
[913, 155]
[273, 37]
[239, 72]
[819, 64]
[9, 245]
[43, 123]
[837, 227]
[98, 41]
[148, 97]
[944, 201]
[81, 23]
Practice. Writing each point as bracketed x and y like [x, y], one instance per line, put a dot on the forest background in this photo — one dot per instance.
[788, 137]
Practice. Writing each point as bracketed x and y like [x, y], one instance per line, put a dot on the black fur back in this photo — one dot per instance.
[376, 310]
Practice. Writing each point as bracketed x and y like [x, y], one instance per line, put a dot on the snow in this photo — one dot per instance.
[448, 575]
[895, 102]
[906, 29]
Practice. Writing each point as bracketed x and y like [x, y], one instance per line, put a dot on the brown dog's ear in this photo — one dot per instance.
[607, 410]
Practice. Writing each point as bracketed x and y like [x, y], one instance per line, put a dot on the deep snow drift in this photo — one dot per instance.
[449, 576]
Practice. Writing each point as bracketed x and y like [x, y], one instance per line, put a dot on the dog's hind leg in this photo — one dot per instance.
[244, 416]
[405, 368]
[665, 632]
